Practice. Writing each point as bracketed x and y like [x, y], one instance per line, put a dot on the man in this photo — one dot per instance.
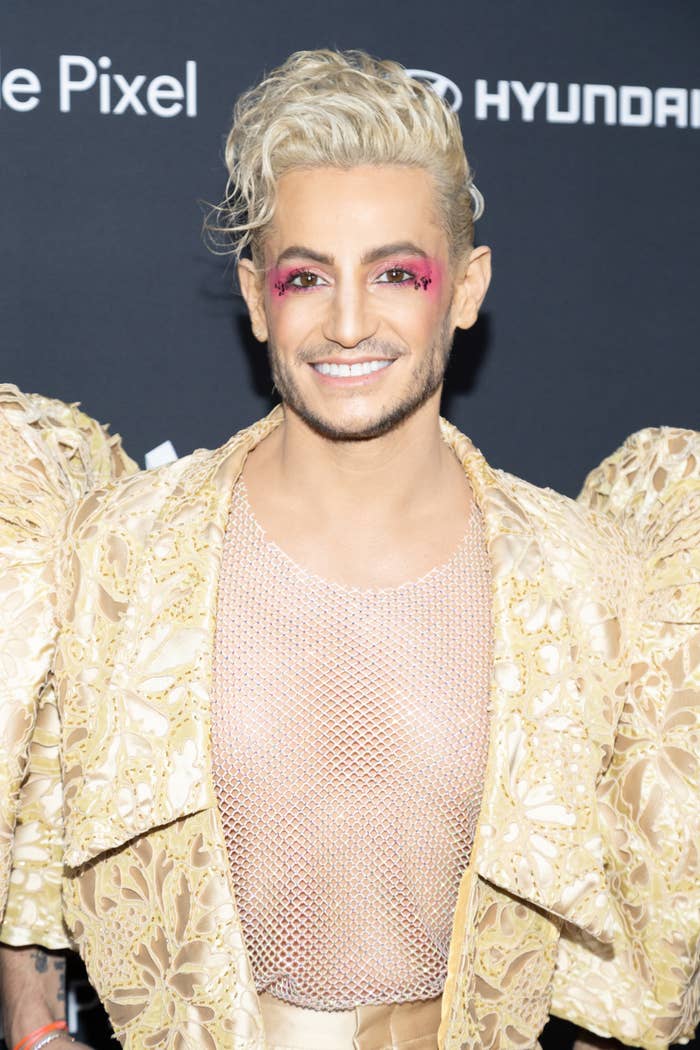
[336, 697]
[51, 455]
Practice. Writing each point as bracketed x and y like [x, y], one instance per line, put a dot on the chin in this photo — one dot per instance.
[355, 429]
[352, 432]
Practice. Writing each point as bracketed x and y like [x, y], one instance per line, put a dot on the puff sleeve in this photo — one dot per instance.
[645, 991]
[51, 455]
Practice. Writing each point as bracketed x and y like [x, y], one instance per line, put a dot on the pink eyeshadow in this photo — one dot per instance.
[277, 279]
[426, 273]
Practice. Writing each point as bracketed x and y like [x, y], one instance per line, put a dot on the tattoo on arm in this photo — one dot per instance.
[59, 965]
[56, 988]
[32, 989]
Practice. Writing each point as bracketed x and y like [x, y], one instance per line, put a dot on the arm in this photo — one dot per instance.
[51, 456]
[32, 988]
[650, 794]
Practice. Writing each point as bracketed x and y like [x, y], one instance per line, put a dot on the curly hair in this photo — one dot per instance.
[339, 109]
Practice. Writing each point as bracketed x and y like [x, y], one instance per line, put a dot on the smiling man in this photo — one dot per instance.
[336, 697]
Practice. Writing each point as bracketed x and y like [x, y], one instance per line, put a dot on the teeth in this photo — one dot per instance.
[362, 368]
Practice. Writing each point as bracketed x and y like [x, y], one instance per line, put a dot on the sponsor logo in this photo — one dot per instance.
[441, 85]
[632, 106]
[86, 83]
[628, 105]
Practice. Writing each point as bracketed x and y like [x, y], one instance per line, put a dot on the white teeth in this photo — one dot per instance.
[362, 368]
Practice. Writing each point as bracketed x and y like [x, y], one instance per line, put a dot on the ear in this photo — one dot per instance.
[253, 289]
[473, 279]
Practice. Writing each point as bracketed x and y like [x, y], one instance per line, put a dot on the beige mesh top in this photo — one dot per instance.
[349, 736]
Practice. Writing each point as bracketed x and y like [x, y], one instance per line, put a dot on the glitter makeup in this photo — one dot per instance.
[421, 275]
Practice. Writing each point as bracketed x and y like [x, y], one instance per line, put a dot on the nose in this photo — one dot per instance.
[351, 317]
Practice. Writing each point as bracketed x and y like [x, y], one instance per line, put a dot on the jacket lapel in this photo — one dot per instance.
[156, 764]
[555, 677]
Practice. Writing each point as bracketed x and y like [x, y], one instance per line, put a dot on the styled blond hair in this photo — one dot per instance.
[339, 109]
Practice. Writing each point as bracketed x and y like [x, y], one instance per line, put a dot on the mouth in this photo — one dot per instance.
[357, 368]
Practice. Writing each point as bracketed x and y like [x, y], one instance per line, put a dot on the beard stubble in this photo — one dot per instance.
[425, 380]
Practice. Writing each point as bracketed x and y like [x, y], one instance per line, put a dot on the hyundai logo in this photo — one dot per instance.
[442, 86]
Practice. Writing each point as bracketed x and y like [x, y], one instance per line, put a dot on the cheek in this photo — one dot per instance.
[287, 313]
[290, 311]
[421, 303]
[282, 317]
[429, 279]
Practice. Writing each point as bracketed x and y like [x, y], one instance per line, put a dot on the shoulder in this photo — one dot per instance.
[133, 502]
[653, 468]
[565, 527]
[63, 434]
[513, 506]
[154, 516]
[650, 489]
[538, 535]
[113, 529]
[51, 454]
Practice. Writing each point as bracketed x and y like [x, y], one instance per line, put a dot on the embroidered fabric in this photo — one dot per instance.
[349, 732]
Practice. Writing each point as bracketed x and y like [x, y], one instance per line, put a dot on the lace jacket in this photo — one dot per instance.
[550, 905]
[51, 455]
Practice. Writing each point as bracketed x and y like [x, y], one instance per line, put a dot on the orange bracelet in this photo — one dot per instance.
[26, 1043]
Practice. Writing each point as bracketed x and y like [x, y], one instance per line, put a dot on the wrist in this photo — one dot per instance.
[28, 1020]
[31, 990]
[42, 1035]
[57, 1041]
[22, 1022]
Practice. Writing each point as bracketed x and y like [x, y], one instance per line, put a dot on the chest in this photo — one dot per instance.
[346, 682]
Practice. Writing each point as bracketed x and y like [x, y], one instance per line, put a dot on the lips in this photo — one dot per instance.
[358, 368]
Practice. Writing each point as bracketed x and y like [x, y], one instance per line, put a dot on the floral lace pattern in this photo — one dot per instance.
[134, 680]
[134, 672]
[51, 454]
[645, 987]
[157, 928]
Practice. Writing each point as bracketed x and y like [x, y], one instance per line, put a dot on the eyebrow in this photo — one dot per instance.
[299, 251]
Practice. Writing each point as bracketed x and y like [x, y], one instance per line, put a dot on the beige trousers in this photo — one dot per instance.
[404, 1026]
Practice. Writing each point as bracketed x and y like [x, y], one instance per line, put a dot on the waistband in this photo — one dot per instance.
[399, 1026]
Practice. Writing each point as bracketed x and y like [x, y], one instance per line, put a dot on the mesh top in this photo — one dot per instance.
[350, 736]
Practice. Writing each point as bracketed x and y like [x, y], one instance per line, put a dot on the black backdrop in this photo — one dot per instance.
[108, 295]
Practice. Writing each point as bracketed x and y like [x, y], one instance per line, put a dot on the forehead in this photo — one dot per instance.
[336, 210]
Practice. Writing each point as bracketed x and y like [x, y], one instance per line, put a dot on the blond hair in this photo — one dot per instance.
[339, 109]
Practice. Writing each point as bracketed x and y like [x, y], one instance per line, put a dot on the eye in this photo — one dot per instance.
[395, 275]
[304, 279]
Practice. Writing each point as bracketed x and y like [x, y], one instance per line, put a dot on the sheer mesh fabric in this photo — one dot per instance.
[349, 737]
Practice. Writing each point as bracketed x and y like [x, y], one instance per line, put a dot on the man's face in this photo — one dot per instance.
[356, 298]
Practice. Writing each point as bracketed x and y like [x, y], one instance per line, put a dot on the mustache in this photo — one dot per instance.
[380, 349]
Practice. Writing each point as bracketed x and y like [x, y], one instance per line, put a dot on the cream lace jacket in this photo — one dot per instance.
[51, 455]
[594, 736]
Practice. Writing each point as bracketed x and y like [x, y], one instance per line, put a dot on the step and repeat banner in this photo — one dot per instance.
[582, 122]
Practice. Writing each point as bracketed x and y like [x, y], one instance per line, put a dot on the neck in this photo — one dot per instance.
[364, 513]
[397, 473]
